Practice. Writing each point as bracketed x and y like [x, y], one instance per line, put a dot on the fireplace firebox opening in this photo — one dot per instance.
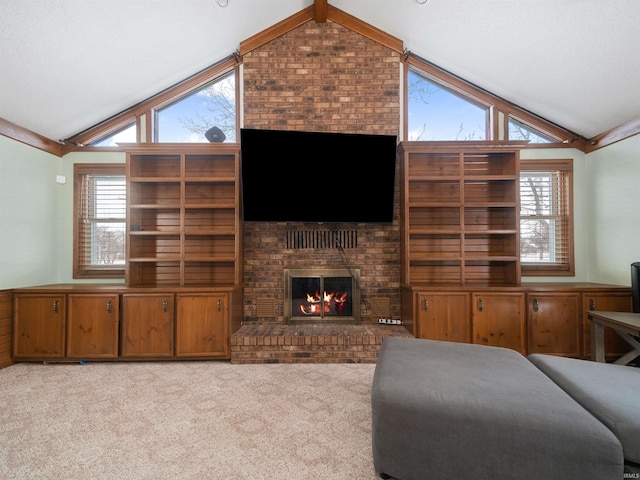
[322, 295]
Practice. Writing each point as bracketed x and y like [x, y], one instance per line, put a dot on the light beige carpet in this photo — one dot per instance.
[186, 420]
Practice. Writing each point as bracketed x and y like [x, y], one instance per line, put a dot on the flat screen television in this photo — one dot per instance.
[317, 177]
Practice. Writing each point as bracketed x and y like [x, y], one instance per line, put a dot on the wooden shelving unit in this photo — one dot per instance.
[460, 213]
[183, 215]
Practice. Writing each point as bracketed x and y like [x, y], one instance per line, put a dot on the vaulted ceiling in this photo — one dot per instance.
[66, 65]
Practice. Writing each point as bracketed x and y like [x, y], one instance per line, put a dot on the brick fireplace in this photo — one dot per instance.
[321, 77]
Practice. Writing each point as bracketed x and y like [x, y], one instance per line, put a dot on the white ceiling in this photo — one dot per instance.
[66, 65]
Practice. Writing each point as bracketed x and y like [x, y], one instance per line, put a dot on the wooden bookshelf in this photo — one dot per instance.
[183, 215]
[460, 213]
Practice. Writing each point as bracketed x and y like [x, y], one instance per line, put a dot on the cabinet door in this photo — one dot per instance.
[39, 326]
[614, 346]
[92, 326]
[147, 325]
[202, 325]
[498, 320]
[444, 316]
[554, 323]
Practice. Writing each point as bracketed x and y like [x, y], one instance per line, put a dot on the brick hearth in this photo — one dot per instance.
[279, 343]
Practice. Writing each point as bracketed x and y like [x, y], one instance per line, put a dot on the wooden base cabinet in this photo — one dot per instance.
[443, 316]
[548, 318]
[147, 325]
[498, 320]
[76, 322]
[39, 326]
[202, 325]
[553, 321]
[92, 326]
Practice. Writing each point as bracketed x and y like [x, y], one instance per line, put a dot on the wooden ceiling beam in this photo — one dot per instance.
[373, 33]
[321, 11]
[621, 132]
[276, 30]
[20, 134]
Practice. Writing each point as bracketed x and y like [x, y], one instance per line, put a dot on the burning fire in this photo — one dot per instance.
[332, 302]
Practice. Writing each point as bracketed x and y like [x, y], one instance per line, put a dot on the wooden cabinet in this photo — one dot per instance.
[547, 318]
[444, 316]
[183, 215]
[73, 322]
[147, 325]
[606, 302]
[460, 210]
[92, 325]
[553, 321]
[39, 326]
[498, 320]
[202, 325]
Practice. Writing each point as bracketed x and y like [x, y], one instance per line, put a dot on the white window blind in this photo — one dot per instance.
[101, 223]
[546, 230]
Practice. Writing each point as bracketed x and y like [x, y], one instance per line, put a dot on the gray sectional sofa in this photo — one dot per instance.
[443, 410]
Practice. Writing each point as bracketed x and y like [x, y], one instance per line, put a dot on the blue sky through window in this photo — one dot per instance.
[187, 119]
[436, 113]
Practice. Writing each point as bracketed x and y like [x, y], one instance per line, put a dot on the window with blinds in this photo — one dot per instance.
[546, 217]
[100, 220]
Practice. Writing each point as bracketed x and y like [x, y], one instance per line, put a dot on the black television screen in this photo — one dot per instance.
[291, 176]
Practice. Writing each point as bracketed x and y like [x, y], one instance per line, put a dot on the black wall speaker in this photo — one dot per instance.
[215, 135]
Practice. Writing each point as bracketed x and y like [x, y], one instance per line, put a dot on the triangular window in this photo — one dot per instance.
[188, 119]
[124, 135]
[436, 112]
[520, 131]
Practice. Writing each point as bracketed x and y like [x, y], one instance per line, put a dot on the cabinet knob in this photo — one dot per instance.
[426, 304]
[480, 305]
[109, 306]
[219, 304]
[536, 305]
[165, 304]
[56, 304]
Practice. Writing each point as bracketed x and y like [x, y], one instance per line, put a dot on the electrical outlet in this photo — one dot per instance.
[389, 321]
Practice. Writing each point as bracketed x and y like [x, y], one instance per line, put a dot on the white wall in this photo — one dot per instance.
[581, 214]
[613, 195]
[29, 215]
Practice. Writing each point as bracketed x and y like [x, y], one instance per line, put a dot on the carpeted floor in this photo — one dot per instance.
[186, 420]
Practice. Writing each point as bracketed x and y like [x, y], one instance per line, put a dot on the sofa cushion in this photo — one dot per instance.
[610, 392]
[443, 410]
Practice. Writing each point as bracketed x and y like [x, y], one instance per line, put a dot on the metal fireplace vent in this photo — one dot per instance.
[324, 239]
